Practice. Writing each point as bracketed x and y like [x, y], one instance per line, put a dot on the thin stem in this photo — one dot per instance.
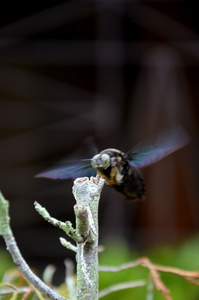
[26, 271]
[121, 286]
[6, 232]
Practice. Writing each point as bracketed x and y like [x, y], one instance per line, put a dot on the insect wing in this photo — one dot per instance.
[154, 149]
[70, 170]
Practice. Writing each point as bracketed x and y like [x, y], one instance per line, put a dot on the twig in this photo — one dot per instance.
[81, 212]
[121, 286]
[28, 293]
[150, 289]
[12, 247]
[68, 244]
[119, 268]
[191, 276]
[7, 288]
[48, 274]
[65, 226]
[157, 280]
[70, 278]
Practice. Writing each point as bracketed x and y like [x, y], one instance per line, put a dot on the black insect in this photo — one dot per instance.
[122, 170]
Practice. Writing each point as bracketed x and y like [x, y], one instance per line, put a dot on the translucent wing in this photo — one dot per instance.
[70, 170]
[154, 149]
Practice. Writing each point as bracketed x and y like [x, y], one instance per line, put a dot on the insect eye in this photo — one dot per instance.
[105, 158]
[94, 160]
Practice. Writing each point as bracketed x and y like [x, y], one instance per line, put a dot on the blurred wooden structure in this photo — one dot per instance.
[115, 70]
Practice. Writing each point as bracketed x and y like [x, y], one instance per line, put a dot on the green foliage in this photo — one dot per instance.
[5, 263]
[13, 285]
[116, 253]
[185, 256]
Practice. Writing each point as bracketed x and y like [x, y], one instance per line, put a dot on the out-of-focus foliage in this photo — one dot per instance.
[184, 256]
[5, 263]
[13, 285]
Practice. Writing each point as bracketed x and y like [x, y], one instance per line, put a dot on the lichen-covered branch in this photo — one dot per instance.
[4, 217]
[6, 232]
[82, 226]
[87, 194]
[65, 226]
[67, 244]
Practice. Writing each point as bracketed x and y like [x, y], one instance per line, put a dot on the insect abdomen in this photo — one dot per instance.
[133, 186]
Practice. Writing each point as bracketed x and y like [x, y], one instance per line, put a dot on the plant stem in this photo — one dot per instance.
[6, 232]
[87, 194]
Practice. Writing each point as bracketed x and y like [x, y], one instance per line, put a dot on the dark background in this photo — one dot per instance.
[116, 71]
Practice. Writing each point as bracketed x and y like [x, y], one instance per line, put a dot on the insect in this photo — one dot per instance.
[122, 170]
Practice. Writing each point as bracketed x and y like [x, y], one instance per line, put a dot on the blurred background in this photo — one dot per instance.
[116, 71]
